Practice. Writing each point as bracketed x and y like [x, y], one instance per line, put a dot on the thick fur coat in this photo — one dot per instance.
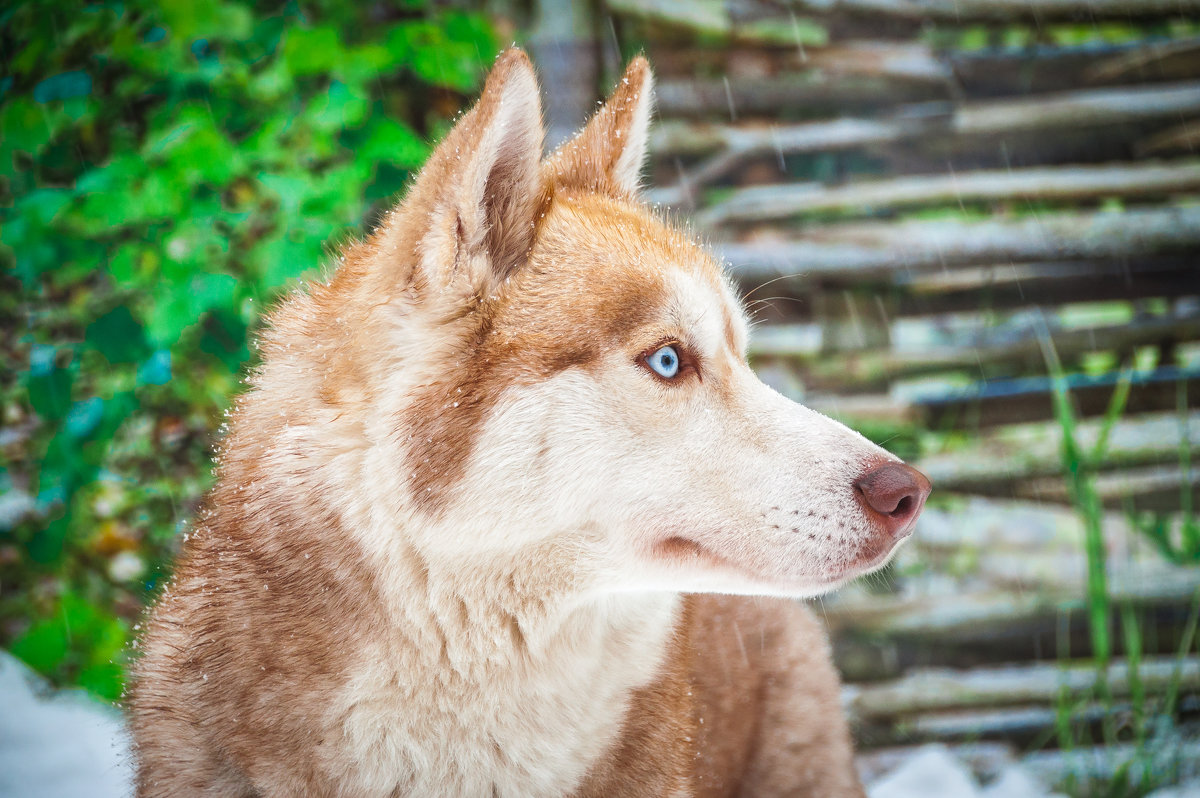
[473, 536]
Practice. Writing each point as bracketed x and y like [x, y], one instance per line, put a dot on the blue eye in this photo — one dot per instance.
[665, 362]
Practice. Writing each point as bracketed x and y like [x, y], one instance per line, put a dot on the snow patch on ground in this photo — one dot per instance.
[934, 771]
[58, 744]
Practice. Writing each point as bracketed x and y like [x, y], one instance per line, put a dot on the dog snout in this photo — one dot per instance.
[893, 495]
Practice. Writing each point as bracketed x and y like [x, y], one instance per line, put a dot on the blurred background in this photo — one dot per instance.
[968, 228]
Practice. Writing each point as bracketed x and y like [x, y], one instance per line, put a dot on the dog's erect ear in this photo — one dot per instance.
[480, 190]
[608, 154]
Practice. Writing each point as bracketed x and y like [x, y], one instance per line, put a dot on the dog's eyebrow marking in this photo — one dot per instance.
[587, 297]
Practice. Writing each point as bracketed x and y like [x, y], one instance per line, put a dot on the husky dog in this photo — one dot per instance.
[506, 513]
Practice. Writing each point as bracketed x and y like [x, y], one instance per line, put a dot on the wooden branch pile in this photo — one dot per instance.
[859, 165]
[920, 199]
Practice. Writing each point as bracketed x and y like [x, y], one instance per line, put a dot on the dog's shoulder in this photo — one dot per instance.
[694, 730]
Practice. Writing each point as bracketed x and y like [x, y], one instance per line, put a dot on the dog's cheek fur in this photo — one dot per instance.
[584, 292]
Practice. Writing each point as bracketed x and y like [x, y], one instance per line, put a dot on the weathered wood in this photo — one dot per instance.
[1012, 286]
[1019, 722]
[964, 11]
[861, 408]
[990, 72]
[1075, 110]
[862, 250]
[935, 690]
[1052, 68]
[1177, 59]
[1006, 351]
[564, 45]
[766, 203]
[1183, 138]
[704, 17]
[1080, 109]
[1012, 401]
[986, 288]
[1157, 489]
[985, 615]
[996, 459]
[813, 90]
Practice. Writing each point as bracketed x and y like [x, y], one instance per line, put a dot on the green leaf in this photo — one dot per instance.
[338, 108]
[133, 266]
[285, 257]
[49, 543]
[114, 175]
[311, 51]
[105, 680]
[118, 336]
[43, 647]
[394, 142]
[27, 128]
[179, 305]
[63, 86]
[30, 235]
[194, 149]
[48, 385]
[290, 189]
[453, 65]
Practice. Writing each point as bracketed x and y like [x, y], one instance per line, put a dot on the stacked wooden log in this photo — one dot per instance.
[923, 201]
[872, 168]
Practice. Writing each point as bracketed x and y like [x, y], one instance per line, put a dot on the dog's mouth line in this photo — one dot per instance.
[679, 548]
[685, 551]
[682, 550]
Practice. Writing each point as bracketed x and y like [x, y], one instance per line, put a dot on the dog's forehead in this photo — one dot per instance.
[603, 249]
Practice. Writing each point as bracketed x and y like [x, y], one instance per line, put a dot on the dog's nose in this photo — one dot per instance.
[893, 494]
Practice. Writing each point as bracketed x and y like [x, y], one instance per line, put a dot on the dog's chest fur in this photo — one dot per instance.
[530, 717]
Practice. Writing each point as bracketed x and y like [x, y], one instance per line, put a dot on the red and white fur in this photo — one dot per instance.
[467, 541]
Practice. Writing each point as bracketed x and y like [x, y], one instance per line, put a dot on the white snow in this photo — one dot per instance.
[933, 771]
[58, 744]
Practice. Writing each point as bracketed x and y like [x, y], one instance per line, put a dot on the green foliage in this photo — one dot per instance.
[1142, 770]
[1178, 544]
[166, 169]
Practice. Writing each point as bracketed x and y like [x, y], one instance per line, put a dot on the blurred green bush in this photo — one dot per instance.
[165, 170]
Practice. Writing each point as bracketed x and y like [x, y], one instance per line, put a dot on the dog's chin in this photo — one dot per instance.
[868, 562]
[721, 573]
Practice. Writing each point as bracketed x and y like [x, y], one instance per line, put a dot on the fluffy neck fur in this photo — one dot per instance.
[523, 674]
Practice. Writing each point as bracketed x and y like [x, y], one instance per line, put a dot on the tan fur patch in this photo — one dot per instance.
[746, 704]
[606, 156]
[594, 280]
[207, 686]
[656, 751]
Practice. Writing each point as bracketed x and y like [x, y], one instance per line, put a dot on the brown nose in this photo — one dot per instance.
[893, 494]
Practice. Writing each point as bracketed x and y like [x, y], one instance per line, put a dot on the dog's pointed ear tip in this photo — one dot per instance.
[639, 70]
[511, 61]
[513, 77]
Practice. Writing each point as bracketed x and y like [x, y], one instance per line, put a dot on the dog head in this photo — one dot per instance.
[535, 356]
